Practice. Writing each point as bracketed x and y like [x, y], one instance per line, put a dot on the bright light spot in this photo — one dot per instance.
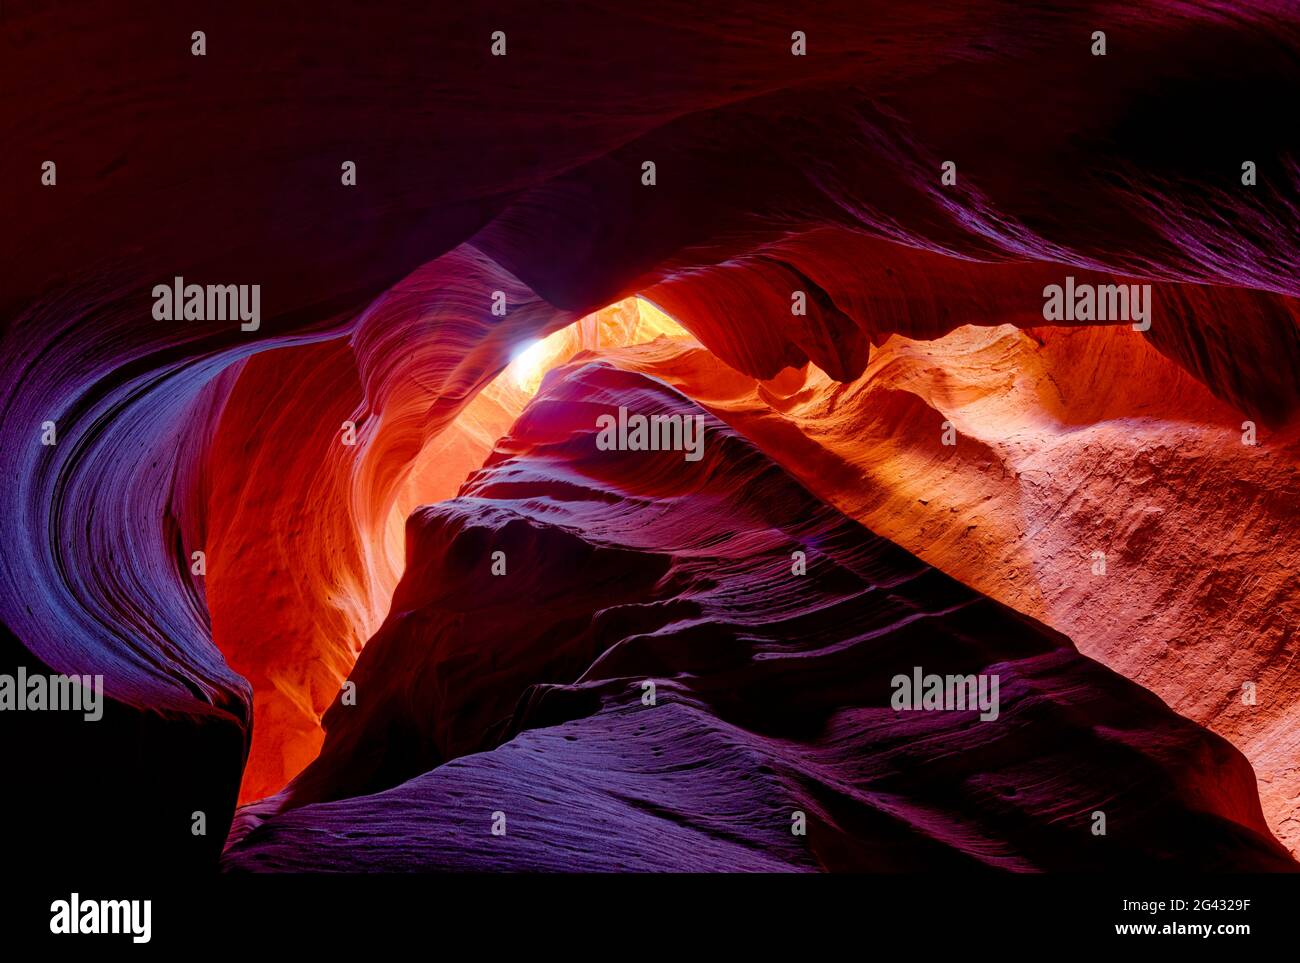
[532, 359]
[628, 322]
[526, 364]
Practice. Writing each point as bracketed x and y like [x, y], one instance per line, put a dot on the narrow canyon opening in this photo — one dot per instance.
[298, 653]
[967, 350]
[1009, 458]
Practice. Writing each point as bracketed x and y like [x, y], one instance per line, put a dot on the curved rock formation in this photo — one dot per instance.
[1067, 442]
[213, 518]
[649, 657]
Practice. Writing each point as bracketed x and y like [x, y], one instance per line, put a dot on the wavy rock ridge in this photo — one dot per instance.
[524, 693]
[523, 175]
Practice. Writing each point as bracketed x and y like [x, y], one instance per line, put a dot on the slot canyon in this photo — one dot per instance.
[370, 588]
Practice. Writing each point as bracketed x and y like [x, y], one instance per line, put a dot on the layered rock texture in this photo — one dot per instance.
[831, 236]
[650, 682]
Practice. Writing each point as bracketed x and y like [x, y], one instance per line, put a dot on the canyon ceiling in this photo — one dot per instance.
[363, 580]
